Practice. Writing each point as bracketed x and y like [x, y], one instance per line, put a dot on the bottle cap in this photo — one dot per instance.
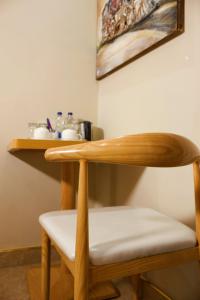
[59, 113]
[70, 113]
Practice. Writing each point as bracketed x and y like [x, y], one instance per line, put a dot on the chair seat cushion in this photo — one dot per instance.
[119, 234]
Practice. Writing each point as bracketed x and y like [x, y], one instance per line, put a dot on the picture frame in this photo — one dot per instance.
[129, 29]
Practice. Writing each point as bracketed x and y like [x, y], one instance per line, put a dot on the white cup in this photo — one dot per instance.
[70, 134]
[41, 133]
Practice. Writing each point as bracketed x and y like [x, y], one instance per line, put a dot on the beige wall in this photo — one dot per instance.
[158, 92]
[47, 61]
[47, 64]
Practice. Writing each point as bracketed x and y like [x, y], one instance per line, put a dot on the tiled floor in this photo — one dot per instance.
[13, 283]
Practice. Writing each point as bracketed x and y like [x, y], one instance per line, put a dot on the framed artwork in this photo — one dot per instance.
[128, 29]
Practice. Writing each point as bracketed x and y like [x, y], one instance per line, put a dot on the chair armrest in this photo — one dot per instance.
[99, 151]
[149, 149]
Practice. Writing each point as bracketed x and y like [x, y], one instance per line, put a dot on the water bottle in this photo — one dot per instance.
[69, 121]
[59, 125]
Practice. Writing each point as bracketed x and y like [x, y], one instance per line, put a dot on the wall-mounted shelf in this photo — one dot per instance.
[30, 144]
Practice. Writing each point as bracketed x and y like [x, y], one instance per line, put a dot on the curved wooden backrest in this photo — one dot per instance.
[149, 149]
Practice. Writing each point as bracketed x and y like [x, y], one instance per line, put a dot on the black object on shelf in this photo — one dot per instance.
[86, 130]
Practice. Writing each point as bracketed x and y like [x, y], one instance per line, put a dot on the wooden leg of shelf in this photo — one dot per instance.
[67, 186]
[66, 283]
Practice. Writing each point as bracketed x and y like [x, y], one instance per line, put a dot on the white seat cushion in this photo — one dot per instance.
[119, 233]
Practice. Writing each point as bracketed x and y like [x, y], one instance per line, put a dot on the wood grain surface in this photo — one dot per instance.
[150, 149]
[197, 199]
[81, 278]
[31, 144]
[141, 265]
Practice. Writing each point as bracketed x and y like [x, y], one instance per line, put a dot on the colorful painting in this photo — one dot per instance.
[127, 29]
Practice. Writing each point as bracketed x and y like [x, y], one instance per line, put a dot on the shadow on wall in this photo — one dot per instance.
[97, 133]
[129, 177]
[116, 183]
[36, 160]
[181, 282]
[107, 186]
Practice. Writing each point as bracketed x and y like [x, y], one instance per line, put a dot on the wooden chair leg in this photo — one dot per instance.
[80, 291]
[46, 252]
[82, 245]
[137, 284]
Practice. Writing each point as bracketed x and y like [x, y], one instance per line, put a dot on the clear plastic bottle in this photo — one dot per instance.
[59, 125]
[69, 121]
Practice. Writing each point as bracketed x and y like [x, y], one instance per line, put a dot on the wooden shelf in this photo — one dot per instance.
[30, 144]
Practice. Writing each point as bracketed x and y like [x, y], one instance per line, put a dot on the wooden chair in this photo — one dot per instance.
[124, 241]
